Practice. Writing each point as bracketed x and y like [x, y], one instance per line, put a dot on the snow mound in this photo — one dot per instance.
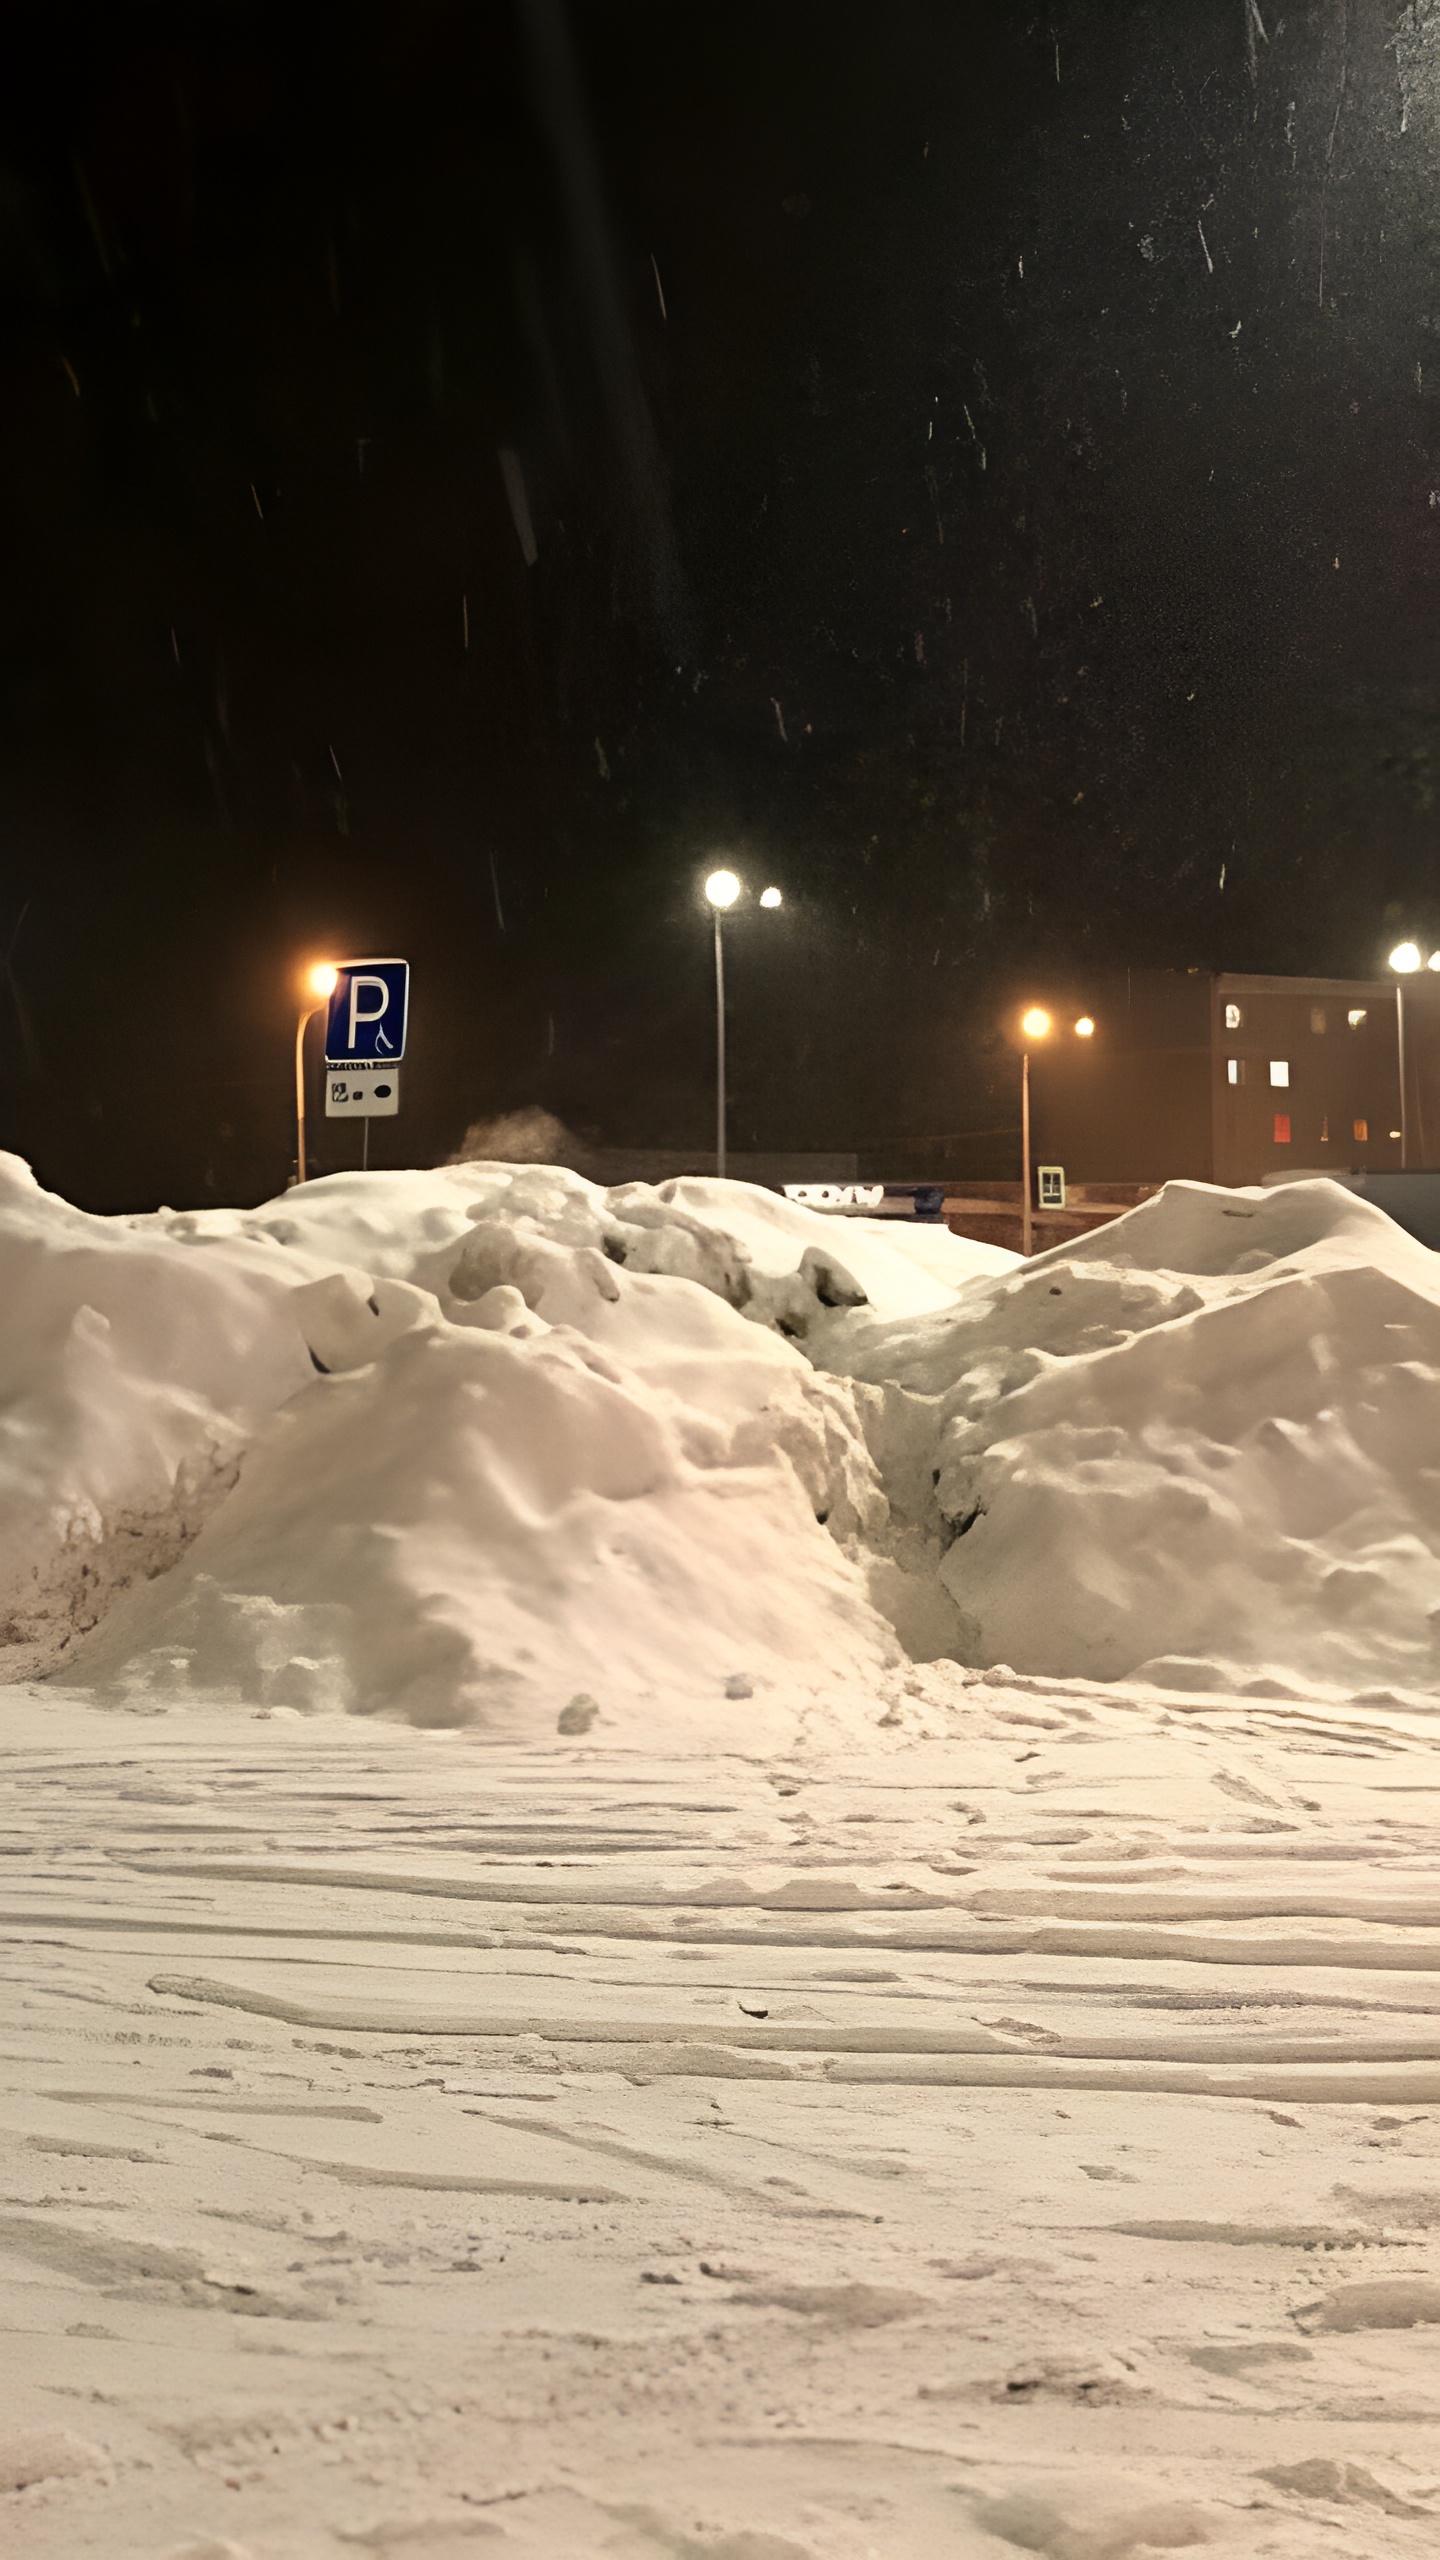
[504, 1435]
[478, 1516]
[1197, 1447]
[493, 1444]
[133, 1372]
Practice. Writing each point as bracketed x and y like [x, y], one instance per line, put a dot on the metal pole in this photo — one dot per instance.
[1025, 1225]
[365, 1145]
[300, 1030]
[1400, 1042]
[719, 1048]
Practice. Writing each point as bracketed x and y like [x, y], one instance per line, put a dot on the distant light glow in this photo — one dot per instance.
[1084, 1028]
[1434, 960]
[722, 888]
[1356, 1017]
[323, 979]
[1036, 1023]
[1405, 957]
[770, 898]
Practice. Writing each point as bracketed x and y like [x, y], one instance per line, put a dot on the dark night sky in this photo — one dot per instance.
[1016, 534]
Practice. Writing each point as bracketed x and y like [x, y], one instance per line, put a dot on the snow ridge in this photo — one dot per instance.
[453, 1445]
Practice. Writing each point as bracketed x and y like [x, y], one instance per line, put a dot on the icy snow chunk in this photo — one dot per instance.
[345, 1322]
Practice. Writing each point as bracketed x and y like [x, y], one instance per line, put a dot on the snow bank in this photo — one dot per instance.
[478, 1518]
[493, 1444]
[1198, 1447]
[508, 1437]
[133, 1371]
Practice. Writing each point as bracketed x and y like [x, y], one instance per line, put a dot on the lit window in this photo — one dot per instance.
[1282, 1128]
[1325, 1133]
[1356, 1017]
[1234, 1070]
[1317, 1017]
[1279, 1070]
[1362, 1131]
[1233, 1017]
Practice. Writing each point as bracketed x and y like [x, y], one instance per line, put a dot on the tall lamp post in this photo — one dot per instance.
[1035, 1025]
[1405, 959]
[722, 890]
[321, 982]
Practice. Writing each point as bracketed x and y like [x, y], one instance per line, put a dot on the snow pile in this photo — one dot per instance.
[506, 1436]
[1199, 1447]
[132, 1374]
[491, 1443]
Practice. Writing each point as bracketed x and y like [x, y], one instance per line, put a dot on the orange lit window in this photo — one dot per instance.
[1362, 1130]
[1282, 1128]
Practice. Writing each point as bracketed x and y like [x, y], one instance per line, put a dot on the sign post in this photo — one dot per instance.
[365, 1027]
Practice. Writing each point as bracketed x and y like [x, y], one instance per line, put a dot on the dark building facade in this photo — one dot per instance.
[1230, 1079]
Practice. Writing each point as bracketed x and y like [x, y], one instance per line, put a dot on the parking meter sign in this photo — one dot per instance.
[365, 1024]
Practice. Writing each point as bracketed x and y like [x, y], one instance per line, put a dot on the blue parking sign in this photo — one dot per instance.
[366, 1019]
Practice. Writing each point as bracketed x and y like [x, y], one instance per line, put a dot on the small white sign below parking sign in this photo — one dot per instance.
[362, 1093]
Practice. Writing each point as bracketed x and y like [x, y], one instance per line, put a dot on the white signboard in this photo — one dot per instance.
[362, 1093]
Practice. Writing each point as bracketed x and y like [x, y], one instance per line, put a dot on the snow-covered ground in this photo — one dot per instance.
[695, 1880]
[1014, 2131]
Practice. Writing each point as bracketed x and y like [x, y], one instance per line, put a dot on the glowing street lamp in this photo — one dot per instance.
[1405, 960]
[1036, 1025]
[321, 982]
[722, 891]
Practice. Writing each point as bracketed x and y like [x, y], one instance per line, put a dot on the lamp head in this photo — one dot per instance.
[722, 888]
[770, 898]
[323, 979]
[1084, 1028]
[1405, 958]
[1036, 1023]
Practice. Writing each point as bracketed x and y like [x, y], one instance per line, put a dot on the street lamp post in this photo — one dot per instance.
[1405, 959]
[1036, 1024]
[321, 982]
[722, 889]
